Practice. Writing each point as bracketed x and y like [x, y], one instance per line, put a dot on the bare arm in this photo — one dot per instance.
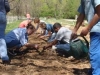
[93, 22]
[98, 10]
[49, 34]
[80, 19]
[85, 31]
[50, 45]
[31, 45]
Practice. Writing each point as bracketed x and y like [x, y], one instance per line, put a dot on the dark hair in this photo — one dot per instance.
[36, 20]
[30, 26]
[42, 24]
[56, 25]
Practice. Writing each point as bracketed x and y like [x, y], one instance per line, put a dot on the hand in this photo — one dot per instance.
[74, 34]
[85, 31]
[44, 47]
[41, 37]
[36, 47]
[38, 36]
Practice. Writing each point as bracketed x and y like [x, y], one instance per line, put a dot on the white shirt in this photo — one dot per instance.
[64, 34]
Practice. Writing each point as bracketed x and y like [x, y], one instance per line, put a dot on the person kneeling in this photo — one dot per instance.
[62, 39]
[19, 37]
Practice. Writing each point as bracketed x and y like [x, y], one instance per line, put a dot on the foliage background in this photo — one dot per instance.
[45, 8]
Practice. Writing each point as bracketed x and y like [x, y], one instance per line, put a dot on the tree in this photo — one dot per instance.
[44, 8]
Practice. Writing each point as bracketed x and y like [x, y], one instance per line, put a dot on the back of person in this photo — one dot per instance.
[49, 27]
[16, 36]
[64, 34]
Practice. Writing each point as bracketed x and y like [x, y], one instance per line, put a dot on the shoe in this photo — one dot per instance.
[54, 47]
[12, 53]
[6, 62]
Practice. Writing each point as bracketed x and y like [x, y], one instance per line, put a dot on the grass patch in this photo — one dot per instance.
[12, 26]
[64, 22]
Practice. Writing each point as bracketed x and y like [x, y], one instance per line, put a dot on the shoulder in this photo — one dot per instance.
[64, 29]
[20, 29]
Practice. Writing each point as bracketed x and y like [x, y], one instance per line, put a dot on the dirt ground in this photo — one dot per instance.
[49, 63]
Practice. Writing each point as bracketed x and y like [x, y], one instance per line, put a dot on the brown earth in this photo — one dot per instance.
[32, 63]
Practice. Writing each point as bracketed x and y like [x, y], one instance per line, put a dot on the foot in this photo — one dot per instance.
[6, 62]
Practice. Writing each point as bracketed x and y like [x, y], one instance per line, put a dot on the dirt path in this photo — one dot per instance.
[31, 63]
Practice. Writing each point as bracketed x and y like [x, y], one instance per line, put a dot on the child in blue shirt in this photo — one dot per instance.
[19, 37]
[48, 31]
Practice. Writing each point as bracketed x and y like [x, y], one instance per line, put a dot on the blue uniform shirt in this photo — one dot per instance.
[49, 27]
[87, 7]
[17, 36]
[4, 6]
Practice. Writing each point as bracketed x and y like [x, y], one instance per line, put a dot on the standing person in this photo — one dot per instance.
[4, 9]
[87, 9]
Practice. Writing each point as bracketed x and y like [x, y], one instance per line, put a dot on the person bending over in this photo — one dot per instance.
[62, 39]
[48, 31]
[19, 37]
[36, 21]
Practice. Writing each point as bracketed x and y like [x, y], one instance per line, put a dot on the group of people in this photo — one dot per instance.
[58, 36]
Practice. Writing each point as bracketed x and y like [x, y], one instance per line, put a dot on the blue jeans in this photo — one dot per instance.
[14, 43]
[95, 53]
[3, 48]
[63, 46]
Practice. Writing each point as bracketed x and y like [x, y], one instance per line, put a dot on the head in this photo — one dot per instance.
[42, 25]
[30, 29]
[56, 27]
[36, 20]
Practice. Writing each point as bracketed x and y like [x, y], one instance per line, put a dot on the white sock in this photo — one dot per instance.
[54, 47]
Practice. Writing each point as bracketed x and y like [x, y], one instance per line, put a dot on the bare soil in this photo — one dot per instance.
[49, 63]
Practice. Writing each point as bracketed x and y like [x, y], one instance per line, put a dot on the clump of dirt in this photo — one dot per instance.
[49, 63]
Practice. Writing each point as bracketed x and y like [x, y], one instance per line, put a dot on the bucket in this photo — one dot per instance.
[79, 48]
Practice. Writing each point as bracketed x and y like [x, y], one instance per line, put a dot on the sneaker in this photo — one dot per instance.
[54, 47]
[6, 62]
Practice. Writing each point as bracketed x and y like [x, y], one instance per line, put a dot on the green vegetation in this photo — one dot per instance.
[46, 8]
[13, 25]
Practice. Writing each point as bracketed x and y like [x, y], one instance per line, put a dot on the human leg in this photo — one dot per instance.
[63, 49]
[3, 48]
[95, 53]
